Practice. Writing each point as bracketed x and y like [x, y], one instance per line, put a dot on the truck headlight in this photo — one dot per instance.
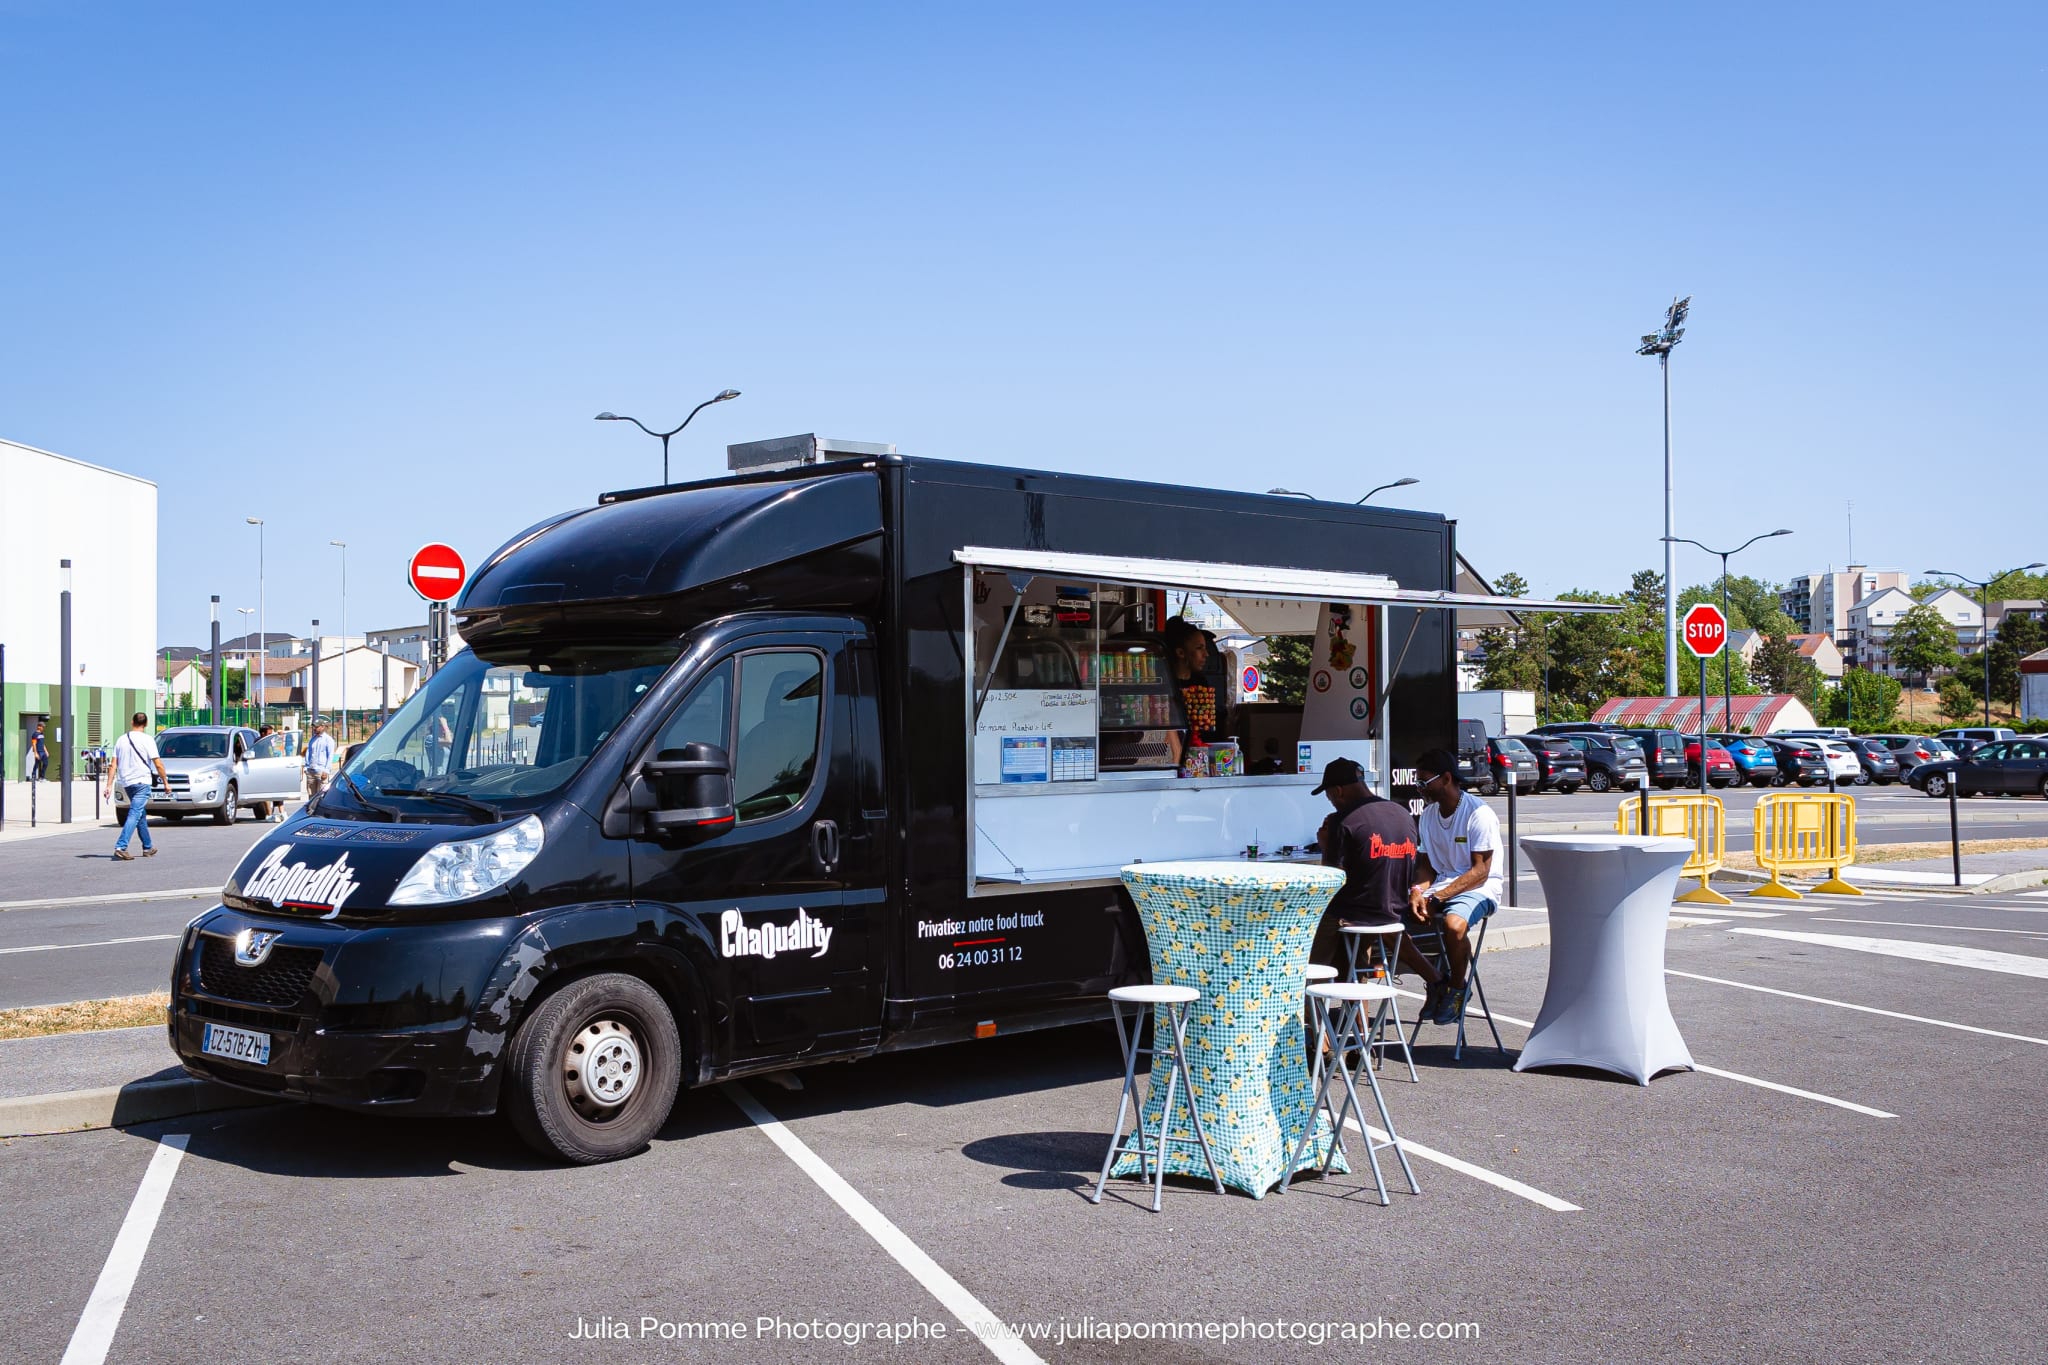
[467, 868]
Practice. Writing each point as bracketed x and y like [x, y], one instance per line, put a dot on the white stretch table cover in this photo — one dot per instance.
[1609, 898]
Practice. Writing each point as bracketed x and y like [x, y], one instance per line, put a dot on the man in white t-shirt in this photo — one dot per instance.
[136, 766]
[1457, 878]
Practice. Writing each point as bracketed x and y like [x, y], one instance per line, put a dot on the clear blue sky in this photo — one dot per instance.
[368, 270]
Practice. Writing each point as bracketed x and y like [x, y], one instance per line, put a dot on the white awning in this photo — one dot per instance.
[1250, 581]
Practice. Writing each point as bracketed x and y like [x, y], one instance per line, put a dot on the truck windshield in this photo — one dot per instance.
[499, 734]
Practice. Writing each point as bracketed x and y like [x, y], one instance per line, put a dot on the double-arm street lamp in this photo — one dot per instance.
[1297, 493]
[1983, 586]
[1660, 344]
[664, 435]
[1727, 688]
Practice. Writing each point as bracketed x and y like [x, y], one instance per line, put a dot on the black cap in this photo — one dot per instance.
[1339, 772]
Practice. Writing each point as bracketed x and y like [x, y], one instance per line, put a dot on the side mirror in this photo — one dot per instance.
[686, 793]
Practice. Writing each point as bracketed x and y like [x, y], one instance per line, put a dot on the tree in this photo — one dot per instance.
[1286, 671]
[1780, 667]
[1959, 701]
[2018, 636]
[1876, 699]
[1921, 642]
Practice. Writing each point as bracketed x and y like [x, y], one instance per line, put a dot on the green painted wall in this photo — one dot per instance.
[99, 714]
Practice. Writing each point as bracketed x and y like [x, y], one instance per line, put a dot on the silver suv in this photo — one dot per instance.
[218, 770]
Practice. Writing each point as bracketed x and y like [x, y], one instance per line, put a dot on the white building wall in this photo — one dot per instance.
[104, 522]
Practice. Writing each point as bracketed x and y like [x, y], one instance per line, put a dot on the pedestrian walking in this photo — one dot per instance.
[137, 767]
[38, 754]
[319, 762]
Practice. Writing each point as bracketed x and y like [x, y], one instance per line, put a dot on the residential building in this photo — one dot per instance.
[1745, 644]
[105, 523]
[1964, 616]
[1994, 618]
[365, 670]
[1819, 603]
[1822, 652]
[182, 682]
[410, 642]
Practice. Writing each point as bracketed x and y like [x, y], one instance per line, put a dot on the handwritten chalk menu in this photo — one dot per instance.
[1035, 735]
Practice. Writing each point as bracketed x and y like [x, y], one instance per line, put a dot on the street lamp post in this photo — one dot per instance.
[1983, 586]
[246, 613]
[342, 545]
[262, 622]
[1727, 688]
[664, 435]
[1660, 344]
[64, 739]
[1398, 483]
[215, 692]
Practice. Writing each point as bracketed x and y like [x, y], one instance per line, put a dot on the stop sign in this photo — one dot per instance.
[436, 572]
[1705, 631]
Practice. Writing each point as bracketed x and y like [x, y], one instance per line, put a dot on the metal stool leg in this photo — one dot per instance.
[1351, 1023]
[1391, 1008]
[1165, 1127]
[1322, 1103]
[1129, 1043]
[1393, 1140]
[1180, 1055]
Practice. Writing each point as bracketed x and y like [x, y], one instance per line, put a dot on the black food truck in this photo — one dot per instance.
[800, 765]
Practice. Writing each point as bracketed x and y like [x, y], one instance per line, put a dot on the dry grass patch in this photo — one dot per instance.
[85, 1016]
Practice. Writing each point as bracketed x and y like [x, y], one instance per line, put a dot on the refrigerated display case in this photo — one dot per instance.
[1139, 712]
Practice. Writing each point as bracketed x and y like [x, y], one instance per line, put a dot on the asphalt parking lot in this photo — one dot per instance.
[1856, 1173]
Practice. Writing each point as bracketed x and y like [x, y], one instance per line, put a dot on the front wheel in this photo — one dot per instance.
[226, 814]
[592, 1073]
[1600, 782]
[1937, 786]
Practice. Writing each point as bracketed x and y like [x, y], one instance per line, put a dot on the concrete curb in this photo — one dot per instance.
[2011, 881]
[118, 1106]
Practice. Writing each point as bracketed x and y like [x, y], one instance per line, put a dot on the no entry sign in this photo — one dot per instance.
[1706, 630]
[436, 572]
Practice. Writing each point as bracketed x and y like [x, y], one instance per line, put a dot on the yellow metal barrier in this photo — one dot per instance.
[1805, 832]
[1697, 817]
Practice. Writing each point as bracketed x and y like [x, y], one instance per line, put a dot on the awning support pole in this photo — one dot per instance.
[1018, 583]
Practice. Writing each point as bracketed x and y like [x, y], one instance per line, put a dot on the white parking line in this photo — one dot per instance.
[1863, 1009]
[1716, 1071]
[1493, 1178]
[99, 943]
[1910, 924]
[102, 1316]
[958, 1301]
[1983, 959]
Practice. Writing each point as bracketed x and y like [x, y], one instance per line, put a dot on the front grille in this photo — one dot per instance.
[246, 1018]
[282, 978]
[180, 782]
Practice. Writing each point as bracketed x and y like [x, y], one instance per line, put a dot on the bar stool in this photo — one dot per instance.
[1432, 942]
[1176, 999]
[1350, 1028]
[1381, 942]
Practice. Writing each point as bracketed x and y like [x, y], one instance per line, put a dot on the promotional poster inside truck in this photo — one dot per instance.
[800, 766]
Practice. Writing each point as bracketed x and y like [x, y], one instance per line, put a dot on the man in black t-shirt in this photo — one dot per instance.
[1373, 840]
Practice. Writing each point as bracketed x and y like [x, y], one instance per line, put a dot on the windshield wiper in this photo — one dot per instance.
[488, 812]
[389, 814]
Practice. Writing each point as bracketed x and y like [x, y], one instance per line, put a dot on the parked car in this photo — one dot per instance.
[1509, 760]
[1721, 768]
[1822, 732]
[1976, 734]
[1612, 760]
[1799, 760]
[1913, 750]
[2002, 767]
[1841, 759]
[1663, 754]
[1559, 766]
[1753, 757]
[219, 770]
[1473, 768]
[1875, 755]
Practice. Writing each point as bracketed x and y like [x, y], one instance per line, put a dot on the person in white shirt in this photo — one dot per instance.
[1457, 878]
[135, 757]
[319, 762]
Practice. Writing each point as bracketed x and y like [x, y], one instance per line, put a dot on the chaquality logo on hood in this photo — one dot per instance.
[735, 939]
[299, 887]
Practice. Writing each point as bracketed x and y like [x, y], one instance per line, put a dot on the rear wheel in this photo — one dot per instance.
[1567, 787]
[1770, 781]
[1491, 787]
[1937, 786]
[1665, 784]
[226, 814]
[1862, 778]
[592, 1073]
[1599, 781]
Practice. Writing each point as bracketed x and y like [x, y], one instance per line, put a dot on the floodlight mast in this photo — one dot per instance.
[1660, 344]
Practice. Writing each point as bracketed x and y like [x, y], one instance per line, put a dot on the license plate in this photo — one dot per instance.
[236, 1044]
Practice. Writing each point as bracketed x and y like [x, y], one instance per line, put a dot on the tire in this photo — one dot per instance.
[1665, 784]
[1567, 788]
[1492, 787]
[1772, 781]
[2044, 789]
[1722, 785]
[228, 810]
[1599, 781]
[174, 817]
[261, 809]
[545, 1099]
[1862, 778]
[1937, 786]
